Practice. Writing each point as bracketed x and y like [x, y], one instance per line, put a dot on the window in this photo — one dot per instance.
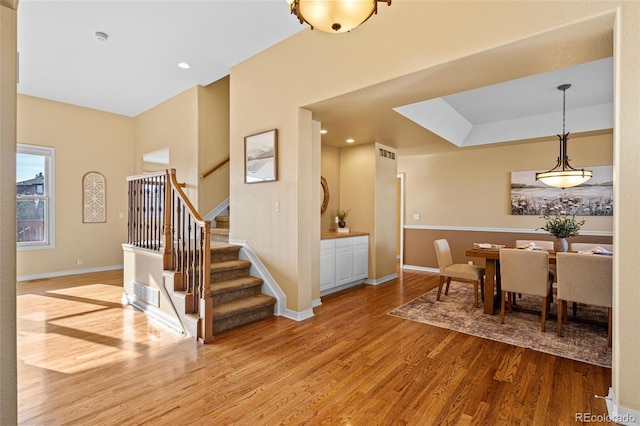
[35, 197]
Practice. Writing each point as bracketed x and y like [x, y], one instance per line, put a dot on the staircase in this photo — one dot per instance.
[237, 296]
[221, 231]
[210, 287]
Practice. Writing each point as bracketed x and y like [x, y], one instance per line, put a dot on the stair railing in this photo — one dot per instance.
[162, 219]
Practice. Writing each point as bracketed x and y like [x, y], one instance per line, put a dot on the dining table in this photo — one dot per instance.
[492, 274]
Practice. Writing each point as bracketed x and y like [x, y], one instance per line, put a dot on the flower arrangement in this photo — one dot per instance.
[342, 215]
[562, 225]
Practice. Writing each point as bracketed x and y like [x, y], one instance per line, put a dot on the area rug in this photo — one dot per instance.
[581, 341]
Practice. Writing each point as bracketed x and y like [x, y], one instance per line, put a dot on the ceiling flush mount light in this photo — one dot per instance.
[563, 175]
[334, 16]
[184, 65]
[350, 140]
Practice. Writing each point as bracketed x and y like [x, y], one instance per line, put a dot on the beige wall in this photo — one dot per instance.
[194, 127]
[268, 89]
[386, 230]
[331, 172]
[626, 297]
[173, 125]
[213, 144]
[84, 140]
[8, 353]
[358, 193]
[471, 187]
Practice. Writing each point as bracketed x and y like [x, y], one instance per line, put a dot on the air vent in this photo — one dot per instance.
[387, 154]
[144, 293]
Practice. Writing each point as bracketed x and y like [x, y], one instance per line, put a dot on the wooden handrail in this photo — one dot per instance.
[216, 167]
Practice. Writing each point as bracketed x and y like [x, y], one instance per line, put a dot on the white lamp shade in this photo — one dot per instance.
[564, 178]
[336, 16]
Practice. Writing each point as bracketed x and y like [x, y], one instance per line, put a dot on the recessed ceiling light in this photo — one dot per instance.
[184, 65]
[350, 140]
[323, 131]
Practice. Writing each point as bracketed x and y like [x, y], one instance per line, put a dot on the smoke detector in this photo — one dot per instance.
[102, 36]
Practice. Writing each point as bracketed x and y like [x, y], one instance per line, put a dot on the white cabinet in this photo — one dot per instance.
[343, 262]
[327, 264]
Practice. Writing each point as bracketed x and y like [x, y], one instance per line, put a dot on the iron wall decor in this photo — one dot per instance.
[94, 198]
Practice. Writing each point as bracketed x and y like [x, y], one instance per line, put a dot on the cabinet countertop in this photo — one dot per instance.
[332, 235]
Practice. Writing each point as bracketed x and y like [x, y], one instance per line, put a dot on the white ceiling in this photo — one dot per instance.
[510, 95]
[525, 108]
[136, 68]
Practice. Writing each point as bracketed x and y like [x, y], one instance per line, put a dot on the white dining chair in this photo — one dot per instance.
[526, 272]
[584, 279]
[547, 245]
[588, 246]
[464, 272]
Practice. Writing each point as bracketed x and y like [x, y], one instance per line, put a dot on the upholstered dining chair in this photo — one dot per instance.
[589, 246]
[584, 279]
[464, 272]
[526, 272]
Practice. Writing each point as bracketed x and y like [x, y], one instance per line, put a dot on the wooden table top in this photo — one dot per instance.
[495, 254]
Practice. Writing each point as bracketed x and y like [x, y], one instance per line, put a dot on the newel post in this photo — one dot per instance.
[168, 214]
[206, 300]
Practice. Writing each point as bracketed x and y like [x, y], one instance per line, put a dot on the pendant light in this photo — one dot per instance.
[563, 175]
[334, 16]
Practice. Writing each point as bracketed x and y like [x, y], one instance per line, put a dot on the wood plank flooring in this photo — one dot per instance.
[84, 359]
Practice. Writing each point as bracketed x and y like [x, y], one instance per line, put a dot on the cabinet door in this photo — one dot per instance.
[360, 261]
[327, 269]
[344, 265]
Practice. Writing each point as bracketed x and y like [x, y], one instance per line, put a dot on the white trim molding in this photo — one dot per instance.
[153, 313]
[617, 414]
[217, 211]
[297, 316]
[269, 286]
[508, 230]
[381, 280]
[65, 273]
[421, 268]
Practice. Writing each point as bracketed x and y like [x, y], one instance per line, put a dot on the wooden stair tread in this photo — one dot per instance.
[238, 306]
[235, 284]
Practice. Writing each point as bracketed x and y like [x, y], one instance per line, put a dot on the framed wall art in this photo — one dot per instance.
[261, 157]
[592, 198]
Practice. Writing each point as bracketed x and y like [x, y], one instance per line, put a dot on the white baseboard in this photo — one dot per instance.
[297, 316]
[315, 303]
[65, 273]
[168, 322]
[617, 414]
[421, 268]
[381, 280]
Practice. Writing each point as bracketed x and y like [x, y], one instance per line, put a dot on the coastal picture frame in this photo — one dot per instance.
[592, 198]
[261, 157]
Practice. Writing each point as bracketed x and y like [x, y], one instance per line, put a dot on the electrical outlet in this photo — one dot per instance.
[416, 216]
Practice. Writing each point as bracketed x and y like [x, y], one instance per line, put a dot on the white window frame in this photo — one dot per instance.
[49, 195]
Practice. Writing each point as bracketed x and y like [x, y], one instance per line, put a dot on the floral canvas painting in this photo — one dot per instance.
[592, 198]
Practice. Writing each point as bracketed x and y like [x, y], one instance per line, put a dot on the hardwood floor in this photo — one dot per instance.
[85, 359]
